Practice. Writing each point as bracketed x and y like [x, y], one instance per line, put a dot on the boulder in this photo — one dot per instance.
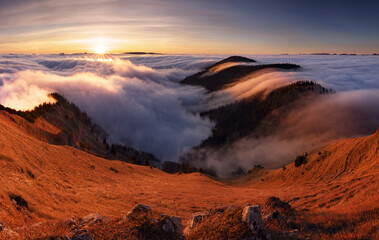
[197, 218]
[140, 209]
[91, 219]
[276, 203]
[292, 233]
[2, 226]
[80, 235]
[251, 216]
[274, 215]
[70, 222]
[171, 224]
[167, 225]
[177, 221]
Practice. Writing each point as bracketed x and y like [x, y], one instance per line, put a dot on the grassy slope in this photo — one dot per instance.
[69, 182]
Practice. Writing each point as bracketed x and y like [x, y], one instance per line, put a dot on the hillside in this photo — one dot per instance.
[333, 190]
[243, 118]
[230, 71]
[63, 123]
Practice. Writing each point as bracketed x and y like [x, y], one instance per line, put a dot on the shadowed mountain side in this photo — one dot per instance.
[213, 81]
[241, 119]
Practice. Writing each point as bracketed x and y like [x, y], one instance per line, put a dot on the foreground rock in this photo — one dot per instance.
[252, 217]
[139, 223]
[227, 222]
[92, 219]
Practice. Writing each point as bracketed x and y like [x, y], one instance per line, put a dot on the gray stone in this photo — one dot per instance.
[141, 209]
[92, 218]
[177, 221]
[252, 217]
[274, 215]
[70, 222]
[196, 219]
[167, 225]
[80, 235]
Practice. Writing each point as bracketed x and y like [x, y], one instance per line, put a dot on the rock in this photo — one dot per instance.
[196, 219]
[91, 219]
[177, 221]
[292, 233]
[140, 209]
[252, 217]
[70, 222]
[80, 235]
[276, 203]
[61, 238]
[171, 224]
[274, 215]
[2, 226]
[167, 225]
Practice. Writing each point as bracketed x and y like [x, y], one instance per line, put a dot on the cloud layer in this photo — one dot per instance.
[138, 100]
[139, 106]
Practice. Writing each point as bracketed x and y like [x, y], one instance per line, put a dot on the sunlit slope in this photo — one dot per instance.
[60, 182]
[345, 172]
[346, 159]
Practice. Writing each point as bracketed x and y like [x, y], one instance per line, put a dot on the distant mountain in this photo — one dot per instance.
[243, 118]
[254, 116]
[232, 59]
[229, 71]
[140, 53]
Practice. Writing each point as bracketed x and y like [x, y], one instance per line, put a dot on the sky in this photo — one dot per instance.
[189, 27]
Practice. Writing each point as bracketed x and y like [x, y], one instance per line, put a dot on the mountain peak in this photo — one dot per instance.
[232, 59]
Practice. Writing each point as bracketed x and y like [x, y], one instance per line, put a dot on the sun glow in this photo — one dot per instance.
[99, 46]
[100, 49]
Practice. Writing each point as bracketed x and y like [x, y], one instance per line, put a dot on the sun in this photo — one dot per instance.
[99, 46]
[100, 49]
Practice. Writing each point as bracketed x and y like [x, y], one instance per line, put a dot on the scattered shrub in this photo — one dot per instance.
[113, 149]
[84, 144]
[19, 200]
[300, 160]
[30, 173]
[113, 169]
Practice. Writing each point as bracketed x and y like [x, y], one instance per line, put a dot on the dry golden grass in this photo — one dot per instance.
[337, 190]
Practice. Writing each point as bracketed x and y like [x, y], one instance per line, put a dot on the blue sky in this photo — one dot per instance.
[192, 26]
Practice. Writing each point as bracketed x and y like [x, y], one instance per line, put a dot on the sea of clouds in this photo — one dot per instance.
[139, 101]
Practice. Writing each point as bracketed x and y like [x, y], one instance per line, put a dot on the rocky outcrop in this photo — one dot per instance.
[274, 215]
[196, 219]
[92, 219]
[227, 222]
[252, 217]
[138, 211]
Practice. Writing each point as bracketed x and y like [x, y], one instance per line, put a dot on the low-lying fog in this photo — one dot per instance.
[138, 100]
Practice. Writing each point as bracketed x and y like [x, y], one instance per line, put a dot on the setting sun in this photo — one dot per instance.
[99, 45]
[100, 49]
